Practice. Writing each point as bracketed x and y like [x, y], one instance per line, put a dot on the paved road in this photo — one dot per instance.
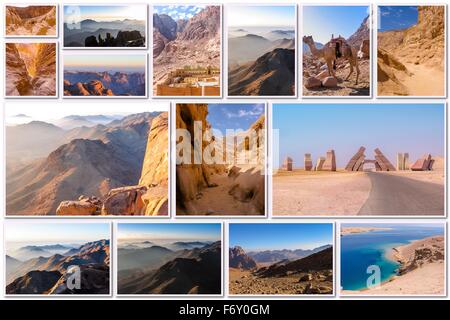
[395, 195]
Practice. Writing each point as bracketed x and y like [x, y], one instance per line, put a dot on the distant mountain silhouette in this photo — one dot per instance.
[196, 271]
[48, 275]
[272, 74]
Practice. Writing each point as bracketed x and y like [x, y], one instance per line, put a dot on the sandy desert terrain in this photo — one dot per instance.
[319, 193]
[359, 193]
[244, 282]
[30, 21]
[411, 61]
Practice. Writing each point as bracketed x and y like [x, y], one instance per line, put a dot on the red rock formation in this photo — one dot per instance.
[30, 69]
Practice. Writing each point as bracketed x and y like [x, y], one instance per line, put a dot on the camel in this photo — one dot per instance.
[328, 53]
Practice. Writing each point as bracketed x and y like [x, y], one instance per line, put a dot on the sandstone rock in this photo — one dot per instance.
[323, 74]
[191, 177]
[125, 201]
[308, 162]
[78, 208]
[312, 83]
[249, 186]
[320, 162]
[156, 201]
[17, 80]
[330, 82]
[155, 166]
[330, 161]
[306, 277]
[233, 172]
[288, 164]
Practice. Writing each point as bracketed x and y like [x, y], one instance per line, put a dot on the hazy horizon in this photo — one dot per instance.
[102, 63]
[23, 112]
[104, 13]
[278, 236]
[417, 129]
[16, 232]
[168, 232]
[393, 225]
[261, 15]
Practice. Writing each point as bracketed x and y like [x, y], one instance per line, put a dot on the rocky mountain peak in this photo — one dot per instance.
[239, 259]
[204, 25]
[361, 34]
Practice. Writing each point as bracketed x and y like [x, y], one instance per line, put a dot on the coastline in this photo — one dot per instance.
[421, 271]
[356, 230]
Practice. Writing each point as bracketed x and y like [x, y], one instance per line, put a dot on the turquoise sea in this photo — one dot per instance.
[359, 251]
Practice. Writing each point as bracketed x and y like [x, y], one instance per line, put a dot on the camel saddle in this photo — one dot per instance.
[340, 45]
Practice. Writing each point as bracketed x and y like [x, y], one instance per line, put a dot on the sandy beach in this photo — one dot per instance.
[319, 193]
[422, 270]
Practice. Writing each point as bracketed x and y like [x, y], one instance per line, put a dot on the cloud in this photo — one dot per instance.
[255, 111]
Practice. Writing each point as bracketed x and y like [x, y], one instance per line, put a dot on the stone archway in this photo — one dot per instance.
[358, 161]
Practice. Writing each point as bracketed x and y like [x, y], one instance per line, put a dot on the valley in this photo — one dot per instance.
[62, 170]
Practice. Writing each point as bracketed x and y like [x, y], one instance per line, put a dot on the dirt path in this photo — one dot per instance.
[424, 81]
[216, 201]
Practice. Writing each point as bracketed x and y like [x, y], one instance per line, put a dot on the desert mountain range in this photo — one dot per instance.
[411, 61]
[263, 66]
[220, 189]
[30, 69]
[30, 21]
[58, 164]
[170, 270]
[194, 42]
[48, 275]
[89, 83]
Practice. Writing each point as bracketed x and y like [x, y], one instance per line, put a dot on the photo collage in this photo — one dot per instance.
[216, 151]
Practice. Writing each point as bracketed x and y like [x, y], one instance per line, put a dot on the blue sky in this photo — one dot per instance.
[316, 128]
[323, 21]
[235, 116]
[56, 232]
[179, 12]
[77, 13]
[277, 236]
[261, 16]
[170, 231]
[396, 17]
